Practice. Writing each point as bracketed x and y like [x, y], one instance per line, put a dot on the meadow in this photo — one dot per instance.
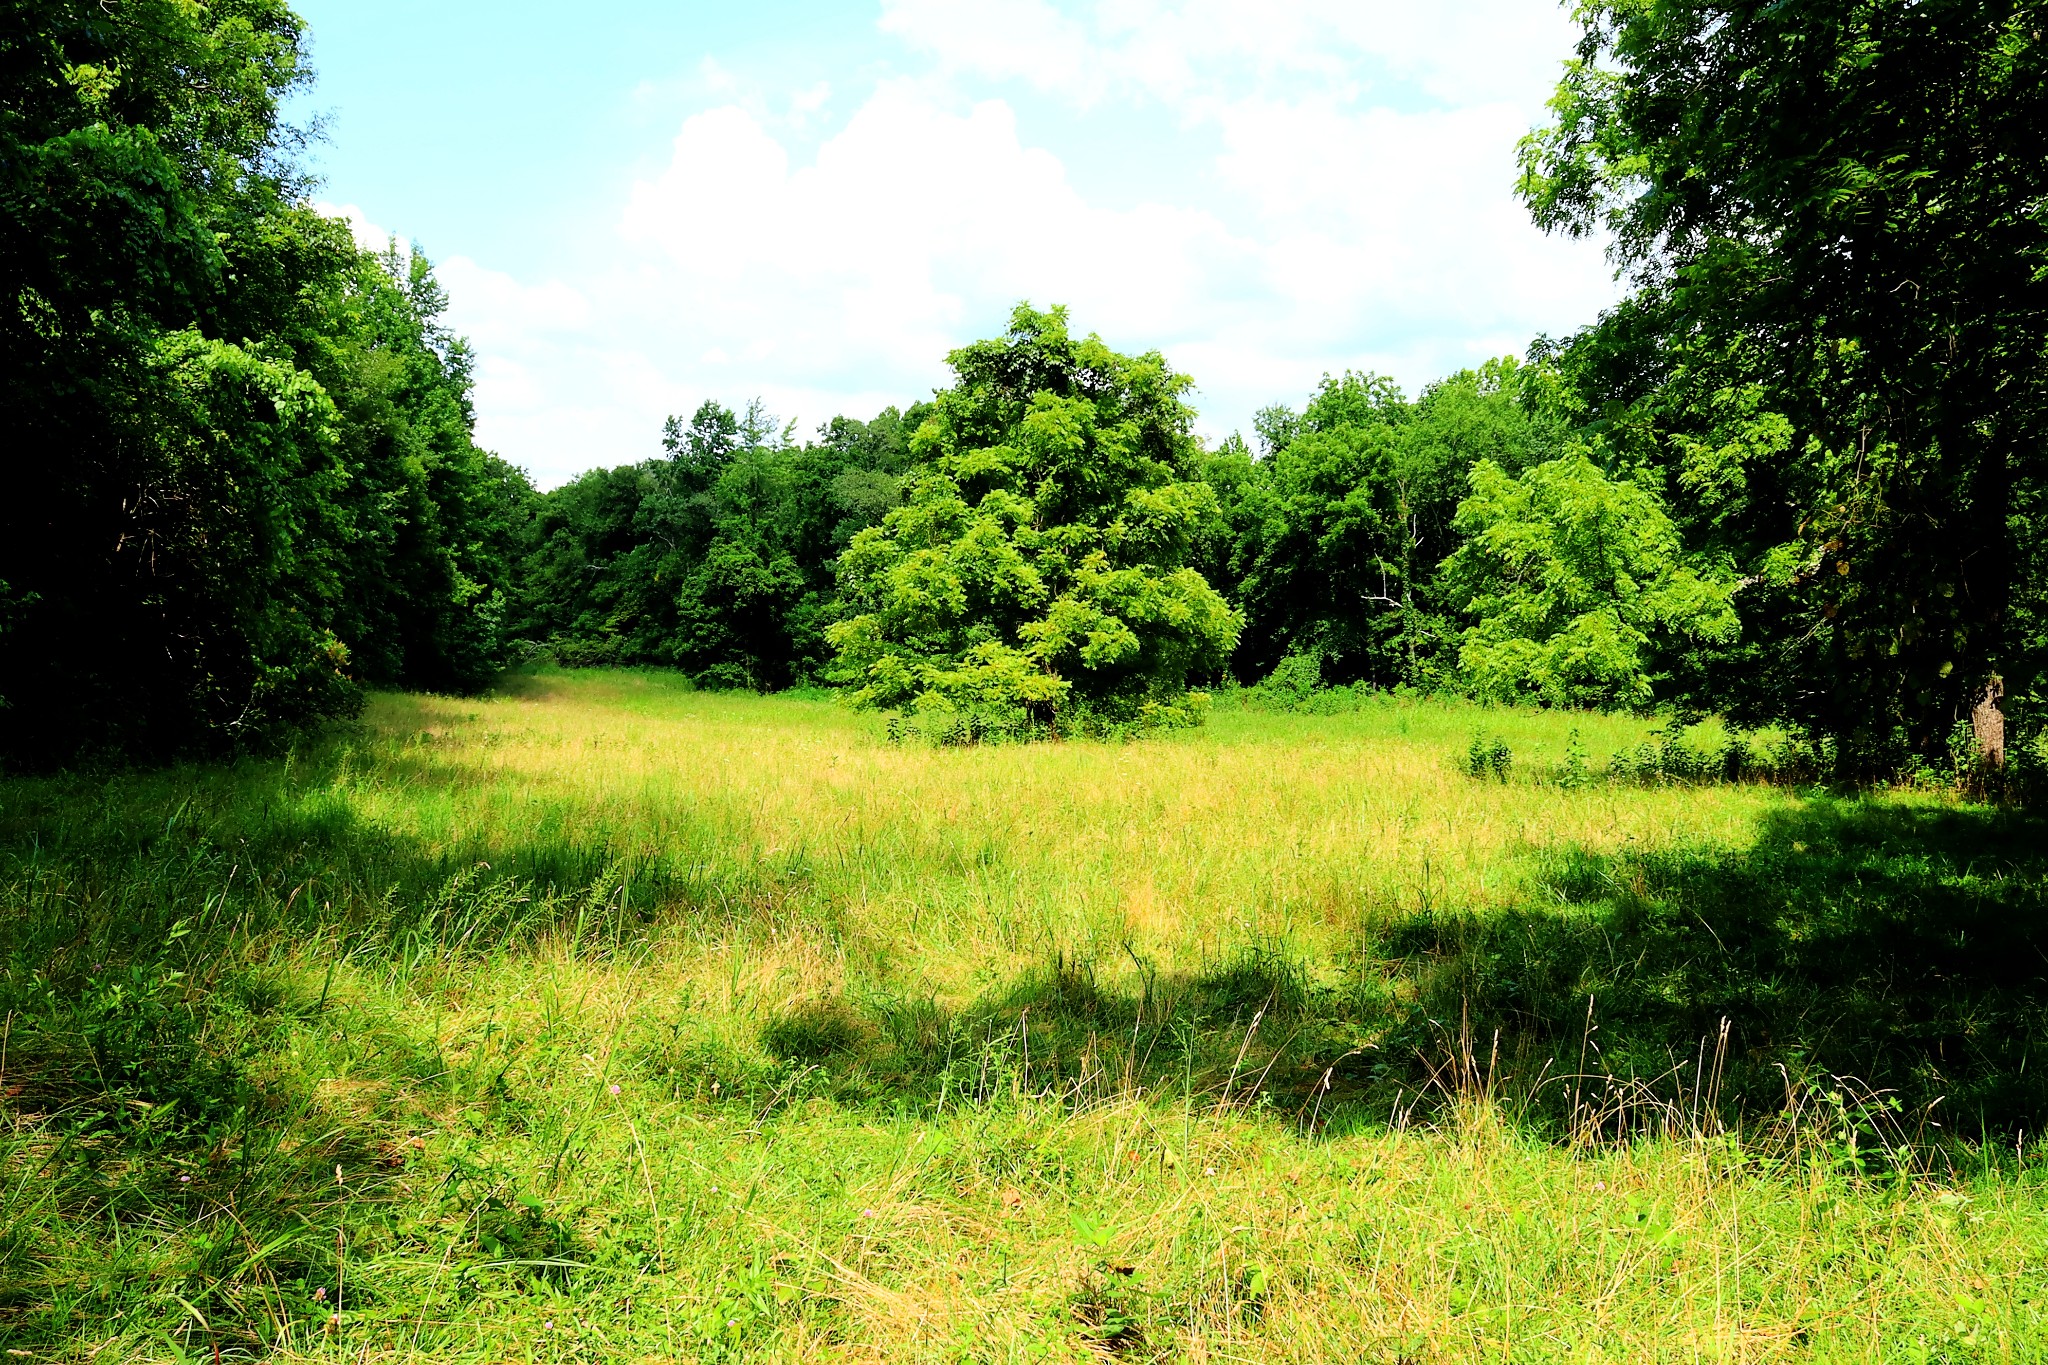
[603, 1019]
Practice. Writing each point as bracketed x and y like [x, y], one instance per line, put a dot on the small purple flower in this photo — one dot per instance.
[615, 1087]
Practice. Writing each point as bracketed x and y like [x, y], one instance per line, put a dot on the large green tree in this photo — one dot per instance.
[169, 545]
[1040, 571]
[434, 525]
[240, 473]
[1574, 580]
[1837, 352]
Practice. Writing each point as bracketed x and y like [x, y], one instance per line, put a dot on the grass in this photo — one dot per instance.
[606, 1020]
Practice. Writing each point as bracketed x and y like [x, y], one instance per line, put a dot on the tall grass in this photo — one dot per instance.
[603, 1019]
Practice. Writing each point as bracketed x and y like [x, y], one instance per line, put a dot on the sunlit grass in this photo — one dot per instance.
[606, 1020]
[952, 862]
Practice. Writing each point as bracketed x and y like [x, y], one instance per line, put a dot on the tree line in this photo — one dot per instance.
[1046, 543]
[241, 479]
[1795, 477]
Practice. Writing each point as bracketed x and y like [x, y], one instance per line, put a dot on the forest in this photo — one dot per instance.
[1795, 479]
[1547, 867]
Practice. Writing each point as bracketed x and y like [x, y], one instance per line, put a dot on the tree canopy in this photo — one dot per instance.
[1039, 572]
[243, 481]
[716, 557]
[1837, 351]
[1797, 476]
[1569, 574]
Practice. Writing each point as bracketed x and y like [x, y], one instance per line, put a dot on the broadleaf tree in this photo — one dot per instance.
[1837, 347]
[1575, 582]
[1040, 572]
[242, 479]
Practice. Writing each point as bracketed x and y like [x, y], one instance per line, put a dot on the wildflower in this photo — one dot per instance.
[615, 1087]
[184, 1180]
[320, 1294]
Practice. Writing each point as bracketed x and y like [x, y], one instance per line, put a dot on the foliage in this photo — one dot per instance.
[243, 475]
[168, 544]
[435, 524]
[1569, 574]
[1335, 535]
[1838, 349]
[716, 559]
[1039, 570]
[1489, 755]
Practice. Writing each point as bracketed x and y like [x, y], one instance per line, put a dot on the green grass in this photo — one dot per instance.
[606, 1020]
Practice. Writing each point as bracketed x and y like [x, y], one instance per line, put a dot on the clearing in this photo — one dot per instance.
[607, 1020]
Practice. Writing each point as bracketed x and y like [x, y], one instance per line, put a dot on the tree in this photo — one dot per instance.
[242, 480]
[170, 538]
[1838, 348]
[1338, 531]
[1039, 572]
[434, 524]
[1570, 576]
[716, 558]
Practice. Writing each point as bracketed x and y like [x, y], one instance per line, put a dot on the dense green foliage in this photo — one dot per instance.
[716, 558]
[1837, 356]
[1039, 572]
[1569, 573]
[242, 473]
[1335, 537]
[1046, 541]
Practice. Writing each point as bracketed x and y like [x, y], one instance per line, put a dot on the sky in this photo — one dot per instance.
[637, 206]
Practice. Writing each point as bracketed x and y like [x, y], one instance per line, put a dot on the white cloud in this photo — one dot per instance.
[1462, 51]
[368, 236]
[1345, 202]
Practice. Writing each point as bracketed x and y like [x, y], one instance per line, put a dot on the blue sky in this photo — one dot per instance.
[647, 205]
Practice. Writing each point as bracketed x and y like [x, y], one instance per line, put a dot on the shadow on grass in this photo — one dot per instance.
[156, 1128]
[1247, 1031]
[1904, 947]
[1900, 951]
